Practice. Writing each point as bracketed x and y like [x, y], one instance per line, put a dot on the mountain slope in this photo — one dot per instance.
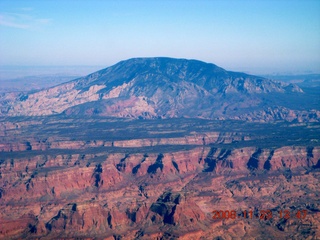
[166, 87]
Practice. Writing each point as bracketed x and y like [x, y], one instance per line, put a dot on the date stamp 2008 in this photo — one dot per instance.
[261, 214]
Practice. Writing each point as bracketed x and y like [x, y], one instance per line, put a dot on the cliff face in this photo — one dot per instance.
[148, 195]
[151, 88]
[157, 179]
[194, 139]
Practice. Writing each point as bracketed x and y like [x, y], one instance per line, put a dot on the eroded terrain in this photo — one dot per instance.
[111, 178]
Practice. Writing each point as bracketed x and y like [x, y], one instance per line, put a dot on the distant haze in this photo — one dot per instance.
[250, 36]
[13, 72]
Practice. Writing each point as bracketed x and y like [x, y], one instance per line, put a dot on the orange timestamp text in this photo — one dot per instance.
[259, 214]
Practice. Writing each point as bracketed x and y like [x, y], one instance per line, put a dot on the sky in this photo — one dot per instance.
[259, 36]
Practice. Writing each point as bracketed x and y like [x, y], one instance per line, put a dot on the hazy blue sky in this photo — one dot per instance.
[253, 36]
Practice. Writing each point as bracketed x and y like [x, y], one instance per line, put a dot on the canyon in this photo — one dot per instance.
[157, 179]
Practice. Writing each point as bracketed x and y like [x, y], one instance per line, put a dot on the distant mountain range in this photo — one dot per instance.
[169, 88]
[33, 83]
[302, 80]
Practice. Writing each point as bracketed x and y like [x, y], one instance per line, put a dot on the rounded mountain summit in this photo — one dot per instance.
[168, 88]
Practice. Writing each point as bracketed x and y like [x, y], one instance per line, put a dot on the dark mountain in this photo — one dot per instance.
[166, 87]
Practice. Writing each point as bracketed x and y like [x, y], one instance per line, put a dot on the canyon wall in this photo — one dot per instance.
[158, 195]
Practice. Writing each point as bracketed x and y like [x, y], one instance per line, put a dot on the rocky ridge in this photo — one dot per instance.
[166, 88]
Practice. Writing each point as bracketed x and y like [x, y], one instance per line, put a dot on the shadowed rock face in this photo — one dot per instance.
[164, 88]
[78, 196]
[80, 186]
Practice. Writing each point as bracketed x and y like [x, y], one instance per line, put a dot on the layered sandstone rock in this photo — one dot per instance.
[160, 195]
[195, 139]
[162, 179]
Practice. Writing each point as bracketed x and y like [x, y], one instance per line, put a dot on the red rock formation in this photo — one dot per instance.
[113, 181]
[156, 194]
